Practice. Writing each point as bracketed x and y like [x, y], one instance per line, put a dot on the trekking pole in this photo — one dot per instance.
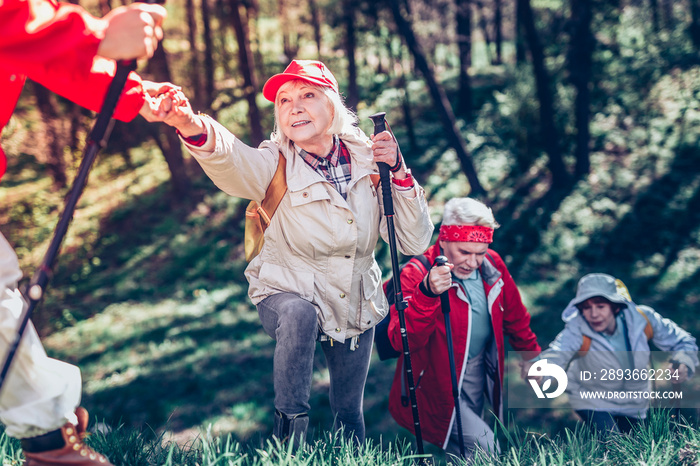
[96, 140]
[676, 387]
[400, 303]
[445, 304]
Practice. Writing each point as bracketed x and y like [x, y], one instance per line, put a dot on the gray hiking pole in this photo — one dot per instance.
[445, 305]
[96, 140]
[400, 303]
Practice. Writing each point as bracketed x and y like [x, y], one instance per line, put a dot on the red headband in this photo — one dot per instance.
[466, 234]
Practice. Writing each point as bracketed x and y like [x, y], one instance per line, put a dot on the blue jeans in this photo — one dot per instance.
[292, 322]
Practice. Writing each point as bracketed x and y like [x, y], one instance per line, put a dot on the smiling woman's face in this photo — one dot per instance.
[305, 115]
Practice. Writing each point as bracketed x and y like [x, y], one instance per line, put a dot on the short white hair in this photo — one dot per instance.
[468, 211]
[344, 119]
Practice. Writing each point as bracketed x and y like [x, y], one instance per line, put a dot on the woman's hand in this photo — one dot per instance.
[439, 279]
[170, 105]
[385, 149]
[154, 107]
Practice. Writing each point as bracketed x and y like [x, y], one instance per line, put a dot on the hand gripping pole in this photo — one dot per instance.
[445, 305]
[401, 304]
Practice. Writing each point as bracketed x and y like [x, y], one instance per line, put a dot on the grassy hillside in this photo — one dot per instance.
[149, 297]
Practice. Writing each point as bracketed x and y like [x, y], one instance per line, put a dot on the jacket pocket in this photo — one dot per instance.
[374, 305]
[284, 279]
[312, 193]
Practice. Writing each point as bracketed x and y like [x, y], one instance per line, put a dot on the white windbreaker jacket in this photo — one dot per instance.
[319, 245]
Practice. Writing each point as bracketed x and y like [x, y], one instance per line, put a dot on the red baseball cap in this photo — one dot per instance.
[312, 71]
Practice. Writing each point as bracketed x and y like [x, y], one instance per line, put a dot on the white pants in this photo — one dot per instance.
[40, 394]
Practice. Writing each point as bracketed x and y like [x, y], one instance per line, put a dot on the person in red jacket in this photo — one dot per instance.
[485, 306]
[72, 53]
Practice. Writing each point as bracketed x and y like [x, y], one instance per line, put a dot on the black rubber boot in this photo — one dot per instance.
[291, 427]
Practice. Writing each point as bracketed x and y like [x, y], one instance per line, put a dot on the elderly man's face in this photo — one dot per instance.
[466, 256]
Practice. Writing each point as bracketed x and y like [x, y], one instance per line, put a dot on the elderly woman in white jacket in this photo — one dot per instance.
[316, 277]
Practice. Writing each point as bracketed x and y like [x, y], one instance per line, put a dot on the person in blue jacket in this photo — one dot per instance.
[607, 337]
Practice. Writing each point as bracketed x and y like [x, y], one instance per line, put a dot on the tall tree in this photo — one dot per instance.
[580, 70]
[208, 56]
[54, 137]
[316, 25]
[484, 25]
[247, 68]
[498, 27]
[548, 130]
[439, 97]
[353, 94]
[654, 7]
[288, 22]
[694, 28]
[165, 136]
[194, 68]
[464, 45]
[520, 47]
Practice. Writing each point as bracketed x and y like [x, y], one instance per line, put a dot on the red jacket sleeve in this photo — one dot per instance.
[55, 44]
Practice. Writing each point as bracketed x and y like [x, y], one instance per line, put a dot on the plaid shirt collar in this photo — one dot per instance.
[334, 167]
[332, 158]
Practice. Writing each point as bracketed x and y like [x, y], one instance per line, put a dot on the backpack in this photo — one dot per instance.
[381, 330]
[258, 217]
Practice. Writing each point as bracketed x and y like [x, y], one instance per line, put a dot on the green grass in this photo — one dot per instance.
[660, 442]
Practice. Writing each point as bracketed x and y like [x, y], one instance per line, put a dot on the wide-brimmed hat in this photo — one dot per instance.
[597, 284]
[312, 71]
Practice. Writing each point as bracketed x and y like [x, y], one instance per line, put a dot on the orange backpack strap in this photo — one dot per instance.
[275, 191]
[258, 217]
[648, 330]
[585, 346]
[375, 180]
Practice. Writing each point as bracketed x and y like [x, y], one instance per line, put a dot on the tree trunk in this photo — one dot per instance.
[520, 48]
[208, 56]
[694, 29]
[667, 6]
[316, 24]
[483, 24]
[440, 98]
[580, 68]
[548, 130]
[225, 59]
[247, 69]
[289, 43]
[654, 7]
[252, 11]
[195, 77]
[172, 149]
[55, 162]
[353, 95]
[464, 43]
[498, 26]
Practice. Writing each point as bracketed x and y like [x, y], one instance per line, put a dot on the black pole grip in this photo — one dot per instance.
[385, 180]
[444, 298]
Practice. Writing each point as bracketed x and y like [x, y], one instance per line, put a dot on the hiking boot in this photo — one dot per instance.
[291, 428]
[63, 447]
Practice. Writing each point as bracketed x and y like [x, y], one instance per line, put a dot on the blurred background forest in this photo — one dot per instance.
[577, 121]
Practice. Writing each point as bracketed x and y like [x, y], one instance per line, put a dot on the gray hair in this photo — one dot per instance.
[344, 119]
[467, 211]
